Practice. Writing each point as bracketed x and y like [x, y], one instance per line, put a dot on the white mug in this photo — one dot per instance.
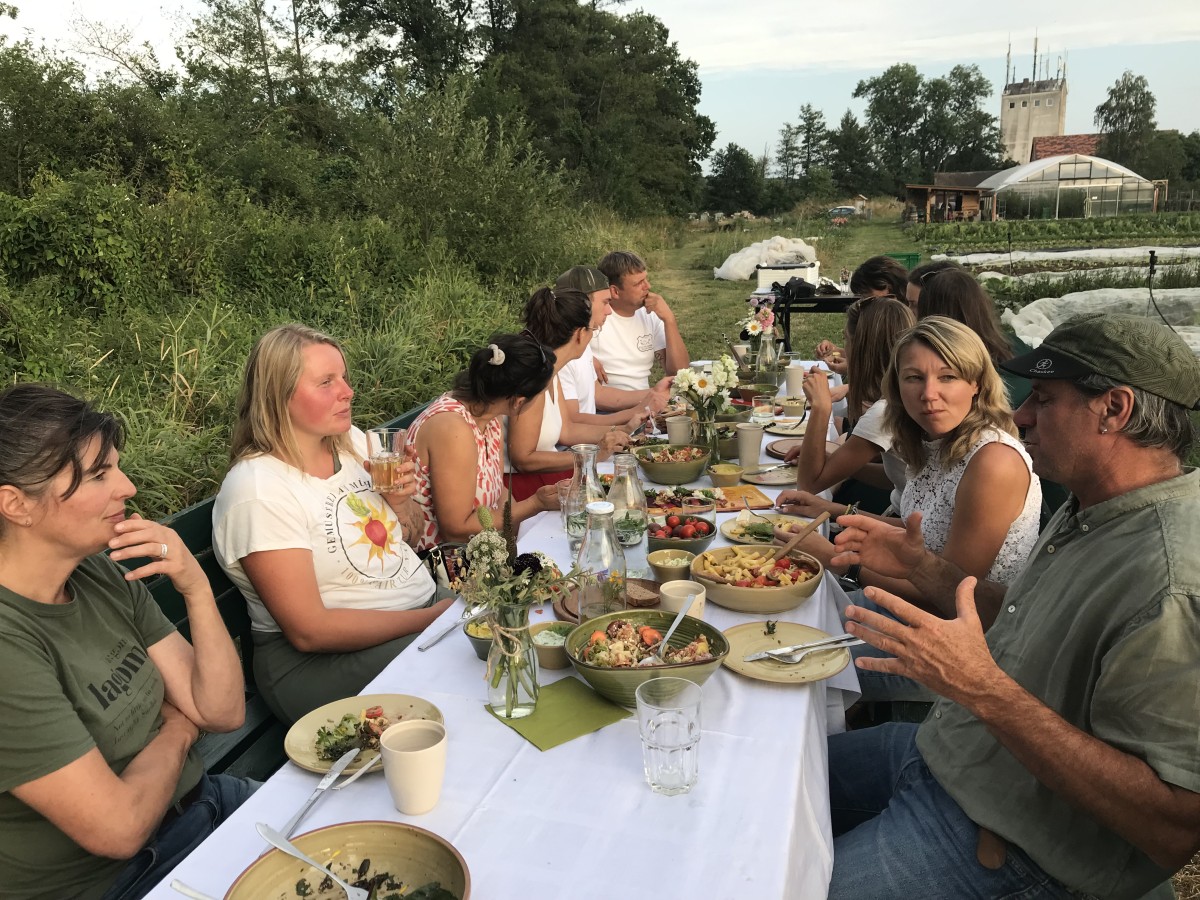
[673, 594]
[414, 764]
[679, 429]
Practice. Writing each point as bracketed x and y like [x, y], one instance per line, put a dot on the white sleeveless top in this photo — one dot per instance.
[551, 419]
[933, 489]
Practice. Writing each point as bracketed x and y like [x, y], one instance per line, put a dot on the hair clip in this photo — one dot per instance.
[497, 355]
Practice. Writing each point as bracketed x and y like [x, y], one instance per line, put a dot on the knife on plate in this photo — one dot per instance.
[330, 777]
[767, 654]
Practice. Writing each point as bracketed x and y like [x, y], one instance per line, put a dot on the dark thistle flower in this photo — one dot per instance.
[527, 562]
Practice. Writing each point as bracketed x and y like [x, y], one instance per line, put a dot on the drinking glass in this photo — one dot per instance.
[387, 452]
[762, 412]
[668, 711]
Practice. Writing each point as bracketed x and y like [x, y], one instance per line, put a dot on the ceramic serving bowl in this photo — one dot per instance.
[409, 854]
[749, 391]
[551, 656]
[619, 685]
[725, 475]
[757, 600]
[480, 636]
[671, 472]
[663, 571]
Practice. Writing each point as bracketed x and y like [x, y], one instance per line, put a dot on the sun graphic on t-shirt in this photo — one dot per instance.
[377, 527]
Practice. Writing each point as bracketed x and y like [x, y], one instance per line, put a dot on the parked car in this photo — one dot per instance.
[842, 212]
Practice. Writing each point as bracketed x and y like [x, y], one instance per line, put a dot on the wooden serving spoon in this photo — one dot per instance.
[795, 541]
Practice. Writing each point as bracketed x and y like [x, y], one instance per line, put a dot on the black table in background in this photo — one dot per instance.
[784, 307]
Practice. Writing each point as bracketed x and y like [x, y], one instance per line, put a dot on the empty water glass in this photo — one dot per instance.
[668, 711]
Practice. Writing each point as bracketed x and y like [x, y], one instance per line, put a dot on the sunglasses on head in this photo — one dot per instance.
[526, 333]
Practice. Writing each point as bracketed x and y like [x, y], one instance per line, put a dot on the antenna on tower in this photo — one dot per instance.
[1008, 64]
[1035, 56]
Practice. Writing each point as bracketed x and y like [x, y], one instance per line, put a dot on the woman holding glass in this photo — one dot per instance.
[334, 589]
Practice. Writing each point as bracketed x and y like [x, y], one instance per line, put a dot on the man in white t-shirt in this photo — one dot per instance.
[580, 378]
[641, 330]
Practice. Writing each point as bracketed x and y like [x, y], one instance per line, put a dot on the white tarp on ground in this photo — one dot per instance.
[1142, 254]
[1179, 306]
[776, 251]
[1108, 271]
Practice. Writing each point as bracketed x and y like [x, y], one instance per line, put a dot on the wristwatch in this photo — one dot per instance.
[850, 581]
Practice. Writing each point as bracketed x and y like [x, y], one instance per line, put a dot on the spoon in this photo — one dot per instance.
[794, 542]
[662, 645]
[273, 837]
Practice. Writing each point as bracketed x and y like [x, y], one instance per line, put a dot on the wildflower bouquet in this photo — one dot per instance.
[707, 393]
[760, 320]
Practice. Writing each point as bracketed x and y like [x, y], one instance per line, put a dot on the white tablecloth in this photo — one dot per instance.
[578, 820]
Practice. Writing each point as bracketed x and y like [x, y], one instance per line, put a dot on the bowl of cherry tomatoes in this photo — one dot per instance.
[680, 531]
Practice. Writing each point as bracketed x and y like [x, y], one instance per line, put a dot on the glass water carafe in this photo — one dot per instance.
[629, 514]
[603, 564]
[585, 488]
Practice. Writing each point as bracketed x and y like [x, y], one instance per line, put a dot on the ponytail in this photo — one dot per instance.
[510, 366]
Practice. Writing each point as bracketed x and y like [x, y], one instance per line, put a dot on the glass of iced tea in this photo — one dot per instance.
[387, 453]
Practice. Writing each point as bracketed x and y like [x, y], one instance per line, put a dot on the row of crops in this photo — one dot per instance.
[1161, 228]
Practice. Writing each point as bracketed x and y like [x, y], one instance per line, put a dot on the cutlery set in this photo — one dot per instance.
[797, 652]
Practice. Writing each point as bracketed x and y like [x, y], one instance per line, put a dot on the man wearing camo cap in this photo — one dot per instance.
[1064, 756]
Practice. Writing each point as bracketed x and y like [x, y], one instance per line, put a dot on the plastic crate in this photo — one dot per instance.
[909, 260]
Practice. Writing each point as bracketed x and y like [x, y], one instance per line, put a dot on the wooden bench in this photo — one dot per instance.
[256, 749]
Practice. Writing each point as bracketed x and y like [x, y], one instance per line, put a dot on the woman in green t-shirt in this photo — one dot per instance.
[101, 793]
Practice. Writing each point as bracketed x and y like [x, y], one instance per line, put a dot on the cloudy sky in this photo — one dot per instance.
[761, 60]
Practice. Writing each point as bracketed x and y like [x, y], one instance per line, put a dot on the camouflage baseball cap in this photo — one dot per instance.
[1136, 351]
[585, 279]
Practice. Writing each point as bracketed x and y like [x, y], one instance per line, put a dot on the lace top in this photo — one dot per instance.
[933, 489]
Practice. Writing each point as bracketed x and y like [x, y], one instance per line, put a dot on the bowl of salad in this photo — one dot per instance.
[672, 463]
[610, 652]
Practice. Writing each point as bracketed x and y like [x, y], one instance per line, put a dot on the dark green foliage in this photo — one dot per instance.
[736, 182]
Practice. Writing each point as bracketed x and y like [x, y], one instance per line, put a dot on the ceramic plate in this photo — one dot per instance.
[785, 477]
[779, 449]
[787, 427]
[567, 607]
[727, 529]
[300, 743]
[752, 638]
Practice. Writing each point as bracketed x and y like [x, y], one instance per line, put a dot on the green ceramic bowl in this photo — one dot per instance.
[759, 600]
[671, 472]
[618, 685]
[735, 417]
[482, 644]
[749, 391]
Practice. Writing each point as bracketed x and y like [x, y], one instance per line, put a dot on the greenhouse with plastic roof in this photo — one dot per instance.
[1066, 187]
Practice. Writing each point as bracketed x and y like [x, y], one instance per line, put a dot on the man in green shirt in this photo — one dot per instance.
[1064, 756]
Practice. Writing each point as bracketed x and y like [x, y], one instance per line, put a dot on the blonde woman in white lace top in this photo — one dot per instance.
[969, 476]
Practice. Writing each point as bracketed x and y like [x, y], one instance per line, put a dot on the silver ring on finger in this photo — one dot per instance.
[163, 552]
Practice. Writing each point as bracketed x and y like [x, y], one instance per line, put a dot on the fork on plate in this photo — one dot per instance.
[796, 655]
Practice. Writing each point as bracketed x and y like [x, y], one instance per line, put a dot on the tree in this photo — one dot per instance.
[1126, 121]
[813, 136]
[894, 107]
[787, 154]
[736, 181]
[851, 157]
[608, 96]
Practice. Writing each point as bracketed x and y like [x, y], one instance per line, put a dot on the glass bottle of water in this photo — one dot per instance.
[629, 514]
[585, 487]
[768, 359]
[602, 562]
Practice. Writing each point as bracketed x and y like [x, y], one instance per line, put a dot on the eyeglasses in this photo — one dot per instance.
[526, 333]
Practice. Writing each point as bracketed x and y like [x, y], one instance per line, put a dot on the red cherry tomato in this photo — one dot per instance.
[744, 583]
[672, 521]
[687, 531]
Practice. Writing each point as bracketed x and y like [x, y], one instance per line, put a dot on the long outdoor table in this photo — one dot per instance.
[579, 820]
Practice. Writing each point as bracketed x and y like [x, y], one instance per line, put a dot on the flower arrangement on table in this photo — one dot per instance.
[708, 394]
[509, 584]
[760, 320]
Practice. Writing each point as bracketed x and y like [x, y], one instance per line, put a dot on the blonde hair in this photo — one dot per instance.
[962, 350]
[263, 425]
[874, 325]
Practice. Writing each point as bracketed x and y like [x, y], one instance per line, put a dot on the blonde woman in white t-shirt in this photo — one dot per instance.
[334, 590]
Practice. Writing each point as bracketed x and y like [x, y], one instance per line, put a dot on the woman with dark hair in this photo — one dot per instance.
[955, 294]
[101, 790]
[561, 321]
[922, 273]
[873, 325]
[333, 587]
[458, 440]
[879, 276]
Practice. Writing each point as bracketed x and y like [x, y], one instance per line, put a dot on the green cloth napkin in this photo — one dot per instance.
[565, 710]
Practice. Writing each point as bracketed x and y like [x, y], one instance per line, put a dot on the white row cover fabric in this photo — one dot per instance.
[774, 251]
[1141, 254]
[1179, 306]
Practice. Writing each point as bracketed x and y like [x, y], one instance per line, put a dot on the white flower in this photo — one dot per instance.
[705, 387]
[683, 381]
[754, 327]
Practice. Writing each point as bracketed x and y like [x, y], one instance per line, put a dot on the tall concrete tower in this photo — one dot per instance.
[1032, 107]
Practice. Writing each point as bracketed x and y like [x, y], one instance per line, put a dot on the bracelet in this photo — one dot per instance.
[853, 574]
[851, 509]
